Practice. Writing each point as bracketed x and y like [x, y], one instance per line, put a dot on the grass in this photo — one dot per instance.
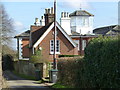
[24, 76]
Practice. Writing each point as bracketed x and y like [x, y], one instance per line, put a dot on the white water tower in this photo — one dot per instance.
[81, 22]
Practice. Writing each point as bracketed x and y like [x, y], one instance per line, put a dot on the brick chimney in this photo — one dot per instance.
[49, 15]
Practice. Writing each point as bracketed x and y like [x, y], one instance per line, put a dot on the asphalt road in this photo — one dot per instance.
[15, 82]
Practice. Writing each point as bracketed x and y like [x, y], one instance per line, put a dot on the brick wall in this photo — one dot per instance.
[66, 48]
[25, 48]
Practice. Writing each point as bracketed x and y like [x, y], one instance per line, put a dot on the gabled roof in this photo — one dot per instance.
[24, 34]
[113, 29]
[117, 28]
[40, 34]
[81, 13]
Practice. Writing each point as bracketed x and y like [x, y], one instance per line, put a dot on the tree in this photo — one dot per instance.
[6, 31]
[38, 57]
[7, 28]
[0, 49]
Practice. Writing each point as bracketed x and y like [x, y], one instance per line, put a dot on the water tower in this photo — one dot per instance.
[81, 22]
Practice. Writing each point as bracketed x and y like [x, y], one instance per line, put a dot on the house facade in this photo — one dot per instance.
[69, 41]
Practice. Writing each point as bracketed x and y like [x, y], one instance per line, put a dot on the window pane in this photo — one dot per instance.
[83, 44]
[52, 46]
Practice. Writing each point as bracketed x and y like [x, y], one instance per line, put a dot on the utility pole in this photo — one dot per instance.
[54, 71]
[54, 56]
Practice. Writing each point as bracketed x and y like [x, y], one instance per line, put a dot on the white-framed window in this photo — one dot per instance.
[52, 46]
[77, 42]
[85, 21]
[83, 44]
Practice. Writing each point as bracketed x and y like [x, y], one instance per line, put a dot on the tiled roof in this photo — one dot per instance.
[24, 34]
[81, 13]
[105, 30]
[75, 33]
[117, 28]
[38, 33]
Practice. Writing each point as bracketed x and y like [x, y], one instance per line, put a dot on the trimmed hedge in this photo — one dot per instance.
[100, 68]
[102, 63]
[68, 70]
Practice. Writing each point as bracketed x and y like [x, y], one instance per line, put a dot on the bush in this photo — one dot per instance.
[102, 63]
[68, 70]
[98, 69]
[38, 58]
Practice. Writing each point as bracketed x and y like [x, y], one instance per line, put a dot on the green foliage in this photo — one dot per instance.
[68, 55]
[59, 85]
[102, 63]
[7, 62]
[68, 69]
[37, 57]
[98, 69]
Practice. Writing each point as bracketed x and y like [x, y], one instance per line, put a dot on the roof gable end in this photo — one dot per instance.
[48, 30]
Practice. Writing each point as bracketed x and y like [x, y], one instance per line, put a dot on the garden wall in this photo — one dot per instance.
[27, 68]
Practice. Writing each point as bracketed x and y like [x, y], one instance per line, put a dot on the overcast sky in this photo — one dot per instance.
[24, 12]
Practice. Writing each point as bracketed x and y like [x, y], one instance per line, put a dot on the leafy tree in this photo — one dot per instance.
[38, 57]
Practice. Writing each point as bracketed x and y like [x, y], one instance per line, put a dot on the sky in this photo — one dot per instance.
[24, 12]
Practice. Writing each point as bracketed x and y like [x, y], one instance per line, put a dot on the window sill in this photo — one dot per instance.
[55, 53]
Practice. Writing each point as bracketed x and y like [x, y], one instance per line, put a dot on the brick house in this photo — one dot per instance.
[70, 41]
[41, 37]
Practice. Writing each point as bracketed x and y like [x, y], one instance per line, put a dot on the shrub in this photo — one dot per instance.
[102, 63]
[38, 58]
[98, 69]
[68, 70]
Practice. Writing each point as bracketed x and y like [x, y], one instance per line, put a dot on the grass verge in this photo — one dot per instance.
[59, 85]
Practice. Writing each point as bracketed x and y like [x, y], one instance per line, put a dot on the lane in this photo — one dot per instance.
[16, 82]
[24, 84]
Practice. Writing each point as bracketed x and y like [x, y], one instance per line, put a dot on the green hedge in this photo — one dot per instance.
[68, 69]
[102, 62]
[100, 67]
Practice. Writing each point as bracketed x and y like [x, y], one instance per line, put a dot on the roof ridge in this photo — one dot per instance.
[106, 26]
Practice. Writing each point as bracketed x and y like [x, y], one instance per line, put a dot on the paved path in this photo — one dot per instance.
[17, 82]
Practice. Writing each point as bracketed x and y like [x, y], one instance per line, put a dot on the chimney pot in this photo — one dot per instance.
[36, 19]
[52, 10]
[48, 11]
[65, 14]
[37, 23]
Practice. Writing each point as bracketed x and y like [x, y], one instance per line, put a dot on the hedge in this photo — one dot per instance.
[100, 67]
[102, 62]
[68, 69]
